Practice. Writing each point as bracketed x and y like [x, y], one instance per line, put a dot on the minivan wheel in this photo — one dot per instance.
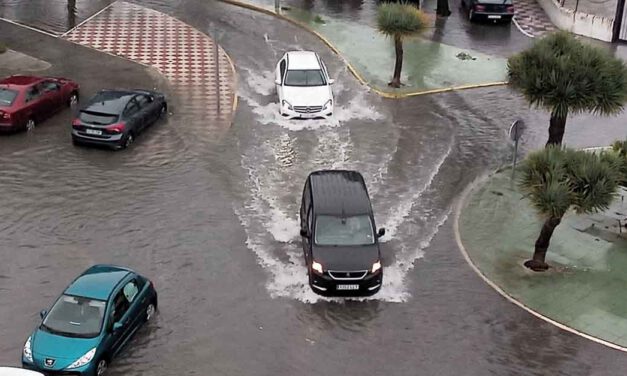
[471, 15]
[101, 368]
[164, 110]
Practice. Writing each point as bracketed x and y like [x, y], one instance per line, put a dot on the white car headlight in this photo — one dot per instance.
[317, 267]
[85, 359]
[376, 266]
[28, 352]
[328, 104]
[286, 104]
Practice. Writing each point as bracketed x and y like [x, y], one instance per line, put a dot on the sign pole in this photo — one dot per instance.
[514, 162]
[277, 5]
[515, 133]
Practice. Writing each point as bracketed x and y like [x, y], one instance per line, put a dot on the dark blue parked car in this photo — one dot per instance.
[90, 322]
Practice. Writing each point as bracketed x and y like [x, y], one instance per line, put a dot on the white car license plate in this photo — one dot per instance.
[308, 116]
[94, 132]
[495, 17]
[347, 287]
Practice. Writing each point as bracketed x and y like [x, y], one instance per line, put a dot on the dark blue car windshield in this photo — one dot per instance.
[75, 317]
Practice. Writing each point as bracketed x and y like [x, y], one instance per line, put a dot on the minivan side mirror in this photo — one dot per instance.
[117, 326]
[331, 81]
[304, 233]
[277, 82]
[43, 313]
[381, 232]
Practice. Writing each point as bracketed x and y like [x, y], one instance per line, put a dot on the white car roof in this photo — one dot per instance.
[302, 60]
[10, 371]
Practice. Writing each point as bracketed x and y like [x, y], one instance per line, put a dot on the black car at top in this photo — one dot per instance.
[115, 117]
[339, 236]
[491, 10]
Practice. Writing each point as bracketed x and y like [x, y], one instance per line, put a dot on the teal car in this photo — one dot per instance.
[90, 323]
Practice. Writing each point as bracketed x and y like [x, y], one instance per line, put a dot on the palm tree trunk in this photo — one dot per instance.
[556, 130]
[443, 8]
[398, 46]
[537, 263]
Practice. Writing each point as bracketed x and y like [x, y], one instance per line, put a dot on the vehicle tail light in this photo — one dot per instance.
[116, 128]
[76, 123]
[510, 9]
[479, 8]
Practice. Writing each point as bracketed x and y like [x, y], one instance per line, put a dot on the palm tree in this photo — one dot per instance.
[556, 180]
[563, 75]
[400, 20]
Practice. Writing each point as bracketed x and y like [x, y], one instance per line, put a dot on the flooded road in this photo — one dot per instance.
[213, 222]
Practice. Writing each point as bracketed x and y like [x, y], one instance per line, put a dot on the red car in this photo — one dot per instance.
[28, 100]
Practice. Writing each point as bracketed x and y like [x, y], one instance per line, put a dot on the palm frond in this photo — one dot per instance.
[400, 19]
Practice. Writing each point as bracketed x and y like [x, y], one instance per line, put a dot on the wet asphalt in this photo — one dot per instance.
[213, 221]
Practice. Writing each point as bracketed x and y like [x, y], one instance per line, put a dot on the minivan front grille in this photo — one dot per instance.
[348, 275]
[307, 109]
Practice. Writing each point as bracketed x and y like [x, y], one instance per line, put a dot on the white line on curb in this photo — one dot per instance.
[458, 210]
[521, 29]
[30, 27]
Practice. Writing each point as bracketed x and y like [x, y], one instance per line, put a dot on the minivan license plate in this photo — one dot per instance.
[348, 287]
[494, 17]
[93, 131]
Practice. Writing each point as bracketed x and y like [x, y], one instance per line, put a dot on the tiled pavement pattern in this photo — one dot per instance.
[531, 18]
[198, 70]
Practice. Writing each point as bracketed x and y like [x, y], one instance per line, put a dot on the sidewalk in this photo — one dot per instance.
[585, 289]
[428, 65]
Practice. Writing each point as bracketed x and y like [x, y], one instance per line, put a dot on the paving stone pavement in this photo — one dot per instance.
[198, 69]
[531, 18]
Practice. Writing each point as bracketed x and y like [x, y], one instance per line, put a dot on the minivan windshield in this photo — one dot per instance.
[75, 316]
[304, 78]
[355, 230]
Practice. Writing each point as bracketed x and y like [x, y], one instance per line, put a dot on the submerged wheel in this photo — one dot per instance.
[150, 311]
[73, 100]
[30, 125]
[101, 368]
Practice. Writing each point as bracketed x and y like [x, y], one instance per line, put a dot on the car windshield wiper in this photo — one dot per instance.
[54, 331]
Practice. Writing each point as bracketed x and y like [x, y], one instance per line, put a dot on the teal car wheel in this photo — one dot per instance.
[150, 311]
[102, 367]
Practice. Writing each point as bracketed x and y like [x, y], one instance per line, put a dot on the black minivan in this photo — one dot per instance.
[339, 235]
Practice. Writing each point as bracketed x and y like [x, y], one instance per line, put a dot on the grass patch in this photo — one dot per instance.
[3, 48]
[319, 20]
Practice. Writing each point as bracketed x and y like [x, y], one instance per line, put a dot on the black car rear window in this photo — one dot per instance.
[7, 96]
[97, 118]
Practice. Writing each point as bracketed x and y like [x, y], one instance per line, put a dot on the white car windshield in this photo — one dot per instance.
[75, 317]
[356, 230]
[304, 78]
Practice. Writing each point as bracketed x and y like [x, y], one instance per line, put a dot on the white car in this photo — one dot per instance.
[304, 86]
[10, 371]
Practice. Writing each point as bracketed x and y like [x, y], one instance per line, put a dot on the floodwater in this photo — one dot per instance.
[213, 222]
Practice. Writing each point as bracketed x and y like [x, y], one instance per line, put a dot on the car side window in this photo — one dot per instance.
[32, 93]
[130, 291]
[306, 199]
[310, 218]
[120, 306]
[131, 108]
[282, 68]
[142, 101]
[49, 86]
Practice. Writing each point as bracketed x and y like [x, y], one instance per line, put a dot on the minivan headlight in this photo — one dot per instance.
[328, 104]
[85, 359]
[376, 266]
[28, 352]
[317, 267]
[286, 104]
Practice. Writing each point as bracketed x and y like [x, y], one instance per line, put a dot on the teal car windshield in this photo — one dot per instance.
[356, 230]
[75, 316]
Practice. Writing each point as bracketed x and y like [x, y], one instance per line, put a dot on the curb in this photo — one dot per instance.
[458, 210]
[351, 68]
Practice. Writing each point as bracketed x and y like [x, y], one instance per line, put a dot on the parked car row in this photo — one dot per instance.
[112, 118]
